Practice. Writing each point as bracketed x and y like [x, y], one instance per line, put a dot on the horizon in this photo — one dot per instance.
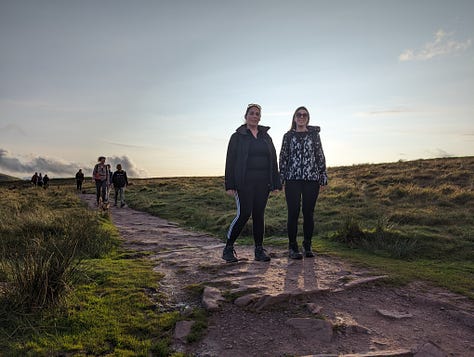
[161, 87]
[26, 178]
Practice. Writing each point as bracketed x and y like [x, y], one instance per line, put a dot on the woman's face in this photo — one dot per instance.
[301, 117]
[253, 116]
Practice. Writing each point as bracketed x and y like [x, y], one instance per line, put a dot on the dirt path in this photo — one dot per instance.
[320, 306]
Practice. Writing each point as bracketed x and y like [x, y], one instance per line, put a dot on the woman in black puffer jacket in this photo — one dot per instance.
[251, 172]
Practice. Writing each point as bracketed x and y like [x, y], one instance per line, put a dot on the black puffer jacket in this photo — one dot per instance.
[237, 154]
[302, 157]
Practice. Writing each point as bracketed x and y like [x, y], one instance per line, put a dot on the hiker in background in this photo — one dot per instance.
[34, 179]
[45, 181]
[251, 172]
[120, 181]
[40, 180]
[79, 180]
[303, 172]
[101, 176]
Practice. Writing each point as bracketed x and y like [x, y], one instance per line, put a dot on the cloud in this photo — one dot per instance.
[442, 44]
[12, 128]
[127, 165]
[38, 164]
[127, 145]
[439, 153]
[54, 167]
[385, 112]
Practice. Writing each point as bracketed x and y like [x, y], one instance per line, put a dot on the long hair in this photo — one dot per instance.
[293, 124]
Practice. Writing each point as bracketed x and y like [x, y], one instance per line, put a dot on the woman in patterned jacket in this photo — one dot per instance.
[302, 171]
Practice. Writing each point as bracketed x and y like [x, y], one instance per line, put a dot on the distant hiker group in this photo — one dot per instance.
[40, 181]
[104, 179]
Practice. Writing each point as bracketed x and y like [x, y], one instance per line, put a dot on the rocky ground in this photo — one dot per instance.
[313, 307]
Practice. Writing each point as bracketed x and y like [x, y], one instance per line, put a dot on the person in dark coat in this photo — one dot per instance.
[79, 180]
[120, 181]
[45, 181]
[251, 173]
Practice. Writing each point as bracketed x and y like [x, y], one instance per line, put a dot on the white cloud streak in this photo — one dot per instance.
[442, 44]
[384, 112]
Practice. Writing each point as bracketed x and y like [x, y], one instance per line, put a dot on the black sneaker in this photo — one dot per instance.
[261, 255]
[229, 255]
[122, 205]
[295, 254]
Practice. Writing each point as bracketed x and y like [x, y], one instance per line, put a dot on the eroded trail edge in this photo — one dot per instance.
[310, 307]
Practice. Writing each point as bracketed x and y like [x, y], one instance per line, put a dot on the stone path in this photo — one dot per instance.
[311, 307]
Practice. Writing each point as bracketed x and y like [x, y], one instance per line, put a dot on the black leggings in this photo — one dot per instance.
[251, 201]
[294, 191]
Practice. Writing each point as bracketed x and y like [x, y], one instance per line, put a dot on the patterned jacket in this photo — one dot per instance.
[302, 157]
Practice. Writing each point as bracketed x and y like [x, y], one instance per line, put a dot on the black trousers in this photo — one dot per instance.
[295, 192]
[101, 190]
[251, 201]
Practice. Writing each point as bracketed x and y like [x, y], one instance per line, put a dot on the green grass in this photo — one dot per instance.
[4, 177]
[412, 219]
[109, 312]
[108, 304]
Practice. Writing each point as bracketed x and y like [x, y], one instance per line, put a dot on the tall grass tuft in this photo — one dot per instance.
[382, 239]
[41, 249]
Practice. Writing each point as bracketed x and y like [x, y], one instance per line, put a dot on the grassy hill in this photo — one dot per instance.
[4, 177]
[416, 211]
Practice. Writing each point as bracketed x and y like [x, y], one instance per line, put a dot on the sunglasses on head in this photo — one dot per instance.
[254, 105]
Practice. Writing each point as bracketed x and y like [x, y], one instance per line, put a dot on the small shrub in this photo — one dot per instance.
[350, 233]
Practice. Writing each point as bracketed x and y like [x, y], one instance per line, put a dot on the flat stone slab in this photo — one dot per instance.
[211, 298]
[319, 330]
[182, 330]
[429, 349]
[246, 299]
[366, 280]
[395, 315]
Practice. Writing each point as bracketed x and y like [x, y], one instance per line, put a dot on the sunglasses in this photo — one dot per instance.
[301, 115]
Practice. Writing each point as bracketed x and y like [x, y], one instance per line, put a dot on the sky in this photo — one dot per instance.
[160, 86]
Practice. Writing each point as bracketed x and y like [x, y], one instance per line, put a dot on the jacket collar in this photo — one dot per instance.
[243, 129]
[311, 129]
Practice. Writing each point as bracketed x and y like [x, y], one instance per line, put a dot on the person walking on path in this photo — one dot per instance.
[303, 172]
[34, 179]
[101, 176]
[40, 180]
[79, 180]
[120, 181]
[251, 172]
[45, 181]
